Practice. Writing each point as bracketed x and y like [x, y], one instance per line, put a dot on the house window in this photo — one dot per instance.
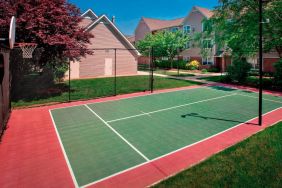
[187, 45]
[207, 44]
[187, 58]
[208, 60]
[187, 29]
[174, 29]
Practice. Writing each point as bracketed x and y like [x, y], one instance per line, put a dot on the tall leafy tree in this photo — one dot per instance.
[165, 44]
[53, 25]
[235, 25]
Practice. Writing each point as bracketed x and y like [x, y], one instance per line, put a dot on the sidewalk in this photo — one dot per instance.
[197, 78]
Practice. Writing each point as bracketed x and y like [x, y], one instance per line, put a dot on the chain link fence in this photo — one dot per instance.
[106, 72]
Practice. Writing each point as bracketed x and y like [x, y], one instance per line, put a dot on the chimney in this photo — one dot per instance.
[113, 19]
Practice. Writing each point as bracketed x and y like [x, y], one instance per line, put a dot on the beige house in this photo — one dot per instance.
[191, 24]
[107, 37]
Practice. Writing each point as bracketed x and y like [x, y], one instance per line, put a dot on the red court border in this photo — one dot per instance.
[31, 156]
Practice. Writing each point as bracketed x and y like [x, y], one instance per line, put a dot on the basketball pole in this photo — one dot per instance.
[260, 60]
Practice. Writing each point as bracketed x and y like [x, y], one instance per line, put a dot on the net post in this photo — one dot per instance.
[115, 74]
[178, 71]
[152, 70]
[260, 61]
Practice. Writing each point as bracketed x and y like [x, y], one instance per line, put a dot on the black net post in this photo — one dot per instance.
[178, 51]
[115, 74]
[260, 61]
[152, 70]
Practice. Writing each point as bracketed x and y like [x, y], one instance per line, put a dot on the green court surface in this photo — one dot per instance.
[103, 139]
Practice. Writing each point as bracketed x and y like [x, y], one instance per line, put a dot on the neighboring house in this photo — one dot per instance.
[131, 39]
[107, 37]
[191, 24]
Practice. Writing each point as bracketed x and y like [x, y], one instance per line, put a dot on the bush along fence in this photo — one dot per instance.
[105, 72]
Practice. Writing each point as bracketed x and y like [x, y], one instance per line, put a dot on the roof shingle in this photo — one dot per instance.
[156, 24]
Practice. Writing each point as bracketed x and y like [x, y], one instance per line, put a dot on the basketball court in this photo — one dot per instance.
[100, 140]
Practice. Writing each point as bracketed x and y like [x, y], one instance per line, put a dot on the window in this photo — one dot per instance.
[207, 44]
[188, 45]
[187, 29]
[174, 29]
[208, 60]
[187, 58]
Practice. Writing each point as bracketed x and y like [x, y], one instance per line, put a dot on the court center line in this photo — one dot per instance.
[262, 99]
[133, 147]
[170, 108]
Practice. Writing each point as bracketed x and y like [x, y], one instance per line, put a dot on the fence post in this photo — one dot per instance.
[69, 80]
[115, 82]
[152, 70]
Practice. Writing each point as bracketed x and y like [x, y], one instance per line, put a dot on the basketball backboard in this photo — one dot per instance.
[12, 32]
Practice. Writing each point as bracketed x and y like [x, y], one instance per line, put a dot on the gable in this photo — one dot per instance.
[89, 14]
[107, 35]
[194, 19]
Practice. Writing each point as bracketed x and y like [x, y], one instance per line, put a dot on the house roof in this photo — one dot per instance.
[156, 24]
[89, 14]
[116, 31]
[206, 12]
[131, 39]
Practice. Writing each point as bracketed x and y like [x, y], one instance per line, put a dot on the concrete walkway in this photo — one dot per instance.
[197, 78]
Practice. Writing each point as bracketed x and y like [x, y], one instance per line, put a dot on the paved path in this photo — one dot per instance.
[197, 78]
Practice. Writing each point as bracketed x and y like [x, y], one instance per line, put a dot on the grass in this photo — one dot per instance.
[173, 73]
[33, 93]
[255, 162]
[213, 78]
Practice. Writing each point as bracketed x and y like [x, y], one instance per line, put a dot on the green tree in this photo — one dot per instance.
[235, 25]
[165, 44]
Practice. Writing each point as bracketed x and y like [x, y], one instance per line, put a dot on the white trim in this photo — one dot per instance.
[110, 127]
[165, 109]
[185, 147]
[64, 152]
[116, 29]
[91, 11]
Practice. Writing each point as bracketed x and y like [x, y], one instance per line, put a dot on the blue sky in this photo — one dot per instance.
[129, 12]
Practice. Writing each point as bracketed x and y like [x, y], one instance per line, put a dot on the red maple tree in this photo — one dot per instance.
[52, 24]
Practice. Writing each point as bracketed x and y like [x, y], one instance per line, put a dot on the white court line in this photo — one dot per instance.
[185, 147]
[64, 152]
[134, 148]
[262, 98]
[170, 108]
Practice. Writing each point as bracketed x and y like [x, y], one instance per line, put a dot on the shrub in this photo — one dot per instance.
[204, 71]
[278, 73]
[238, 71]
[181, 64]
[214, 69]
[193, 65]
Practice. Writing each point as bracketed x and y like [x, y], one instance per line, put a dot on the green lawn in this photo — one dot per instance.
[33, 93]
[255, 162]
[213, 78]
[173, 73]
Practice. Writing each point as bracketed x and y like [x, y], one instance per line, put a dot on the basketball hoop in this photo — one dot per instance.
[27, 49]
